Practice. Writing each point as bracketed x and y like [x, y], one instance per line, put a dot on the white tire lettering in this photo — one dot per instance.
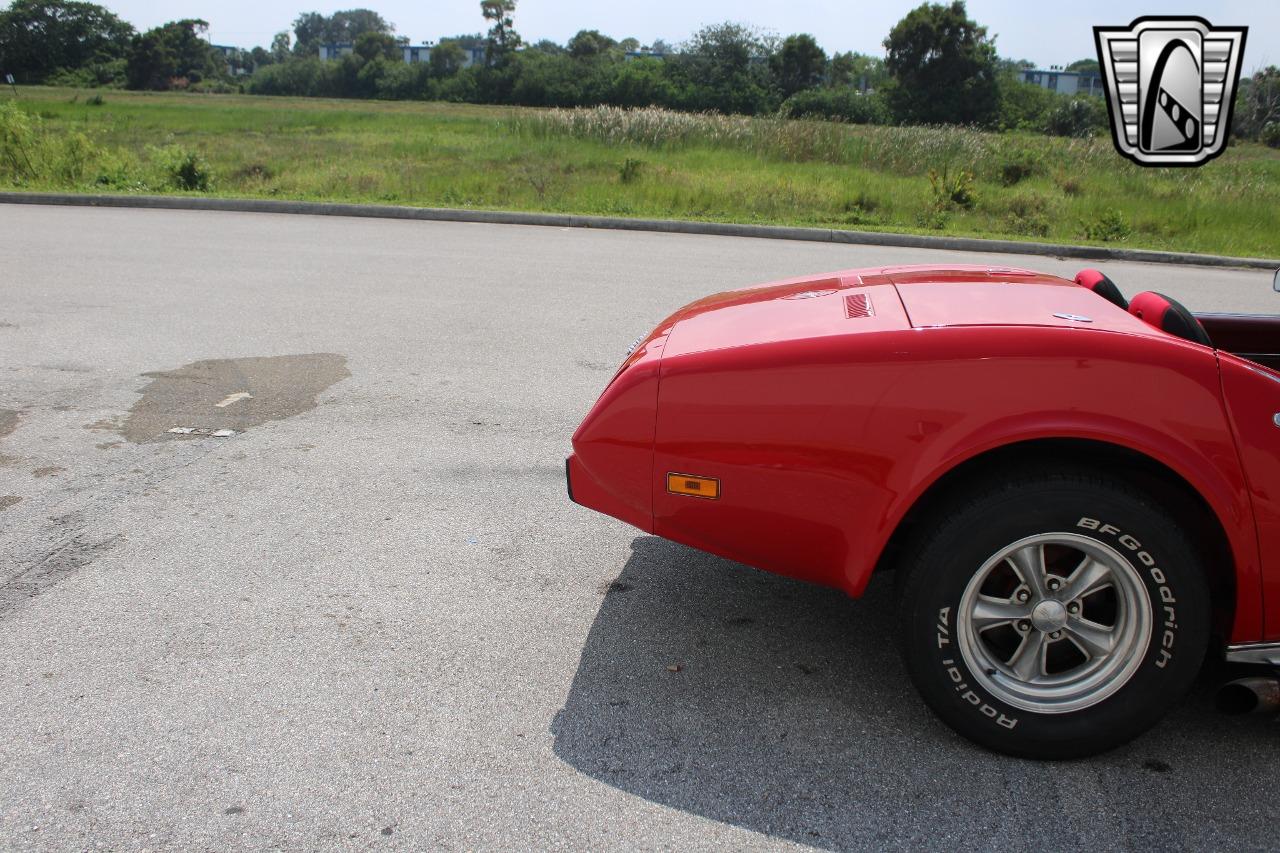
[1158, 577]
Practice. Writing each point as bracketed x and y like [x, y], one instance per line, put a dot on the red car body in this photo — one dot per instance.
[826, 408]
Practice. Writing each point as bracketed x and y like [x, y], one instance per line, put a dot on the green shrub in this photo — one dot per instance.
[1069, 184]
[29, 154]
[861, 210]
[68, 159]
[1024, 106]
[933, 217]
[863, 201]
[1078, 117]
[630, 171]
[1028, 215]
[839, 104]
[182, 169]
[1109, 227]
[953, 190]
[400, 81]
[1270, 135]
[19, 143]
[118, 169]
[1019, 165]
[95, 101]
[89, 76]
[294, 77]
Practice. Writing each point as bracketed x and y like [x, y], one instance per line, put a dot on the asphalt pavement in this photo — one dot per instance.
[348, 604]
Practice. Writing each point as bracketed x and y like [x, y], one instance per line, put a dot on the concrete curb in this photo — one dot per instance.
[668, 226]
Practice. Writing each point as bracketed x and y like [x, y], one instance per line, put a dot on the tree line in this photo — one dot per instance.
[940, 67]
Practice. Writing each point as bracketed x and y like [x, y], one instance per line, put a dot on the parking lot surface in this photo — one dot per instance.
[348, 603]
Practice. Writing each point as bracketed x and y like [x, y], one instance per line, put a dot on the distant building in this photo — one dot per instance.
[473, 56]
[411, 53]
[236, 58]
[1064, 82]
[336, 51]
[645, 53]
[416, 53]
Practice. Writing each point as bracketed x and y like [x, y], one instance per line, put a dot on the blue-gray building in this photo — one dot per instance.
[1065, 82]
[411, 53]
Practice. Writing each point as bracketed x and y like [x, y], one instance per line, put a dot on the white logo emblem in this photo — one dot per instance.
[1170, 87]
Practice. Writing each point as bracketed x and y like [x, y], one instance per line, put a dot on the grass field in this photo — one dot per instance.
[646, 163]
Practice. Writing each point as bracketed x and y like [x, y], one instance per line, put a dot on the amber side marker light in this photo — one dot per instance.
[694, 487]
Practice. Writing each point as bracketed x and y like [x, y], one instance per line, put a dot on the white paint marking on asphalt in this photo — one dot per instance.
[216, 433]
[234, 398]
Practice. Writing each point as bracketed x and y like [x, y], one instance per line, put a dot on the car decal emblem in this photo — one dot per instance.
[1170, 85]
[1075, 318]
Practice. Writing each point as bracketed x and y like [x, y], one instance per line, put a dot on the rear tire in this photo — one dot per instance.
[1054, 614]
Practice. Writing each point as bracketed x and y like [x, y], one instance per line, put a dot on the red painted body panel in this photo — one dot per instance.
[1013, 304]
[612, 475]
[1253, 398]
[825, 423]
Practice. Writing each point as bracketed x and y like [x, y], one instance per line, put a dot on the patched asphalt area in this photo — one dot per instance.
[222, 397]
[368, 616]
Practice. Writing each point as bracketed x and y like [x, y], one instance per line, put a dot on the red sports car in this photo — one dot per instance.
[1075, 491]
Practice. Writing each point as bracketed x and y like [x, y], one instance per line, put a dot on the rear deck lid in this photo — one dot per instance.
[987, 296]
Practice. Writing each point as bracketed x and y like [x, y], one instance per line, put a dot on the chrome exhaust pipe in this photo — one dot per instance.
[1259, 694]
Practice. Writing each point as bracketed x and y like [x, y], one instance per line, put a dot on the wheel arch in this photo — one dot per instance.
[1168, 487]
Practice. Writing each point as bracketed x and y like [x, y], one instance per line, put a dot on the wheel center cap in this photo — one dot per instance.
[1049, 616]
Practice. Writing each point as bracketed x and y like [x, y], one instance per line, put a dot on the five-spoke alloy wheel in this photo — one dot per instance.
[1054, 623]
[1053, 614]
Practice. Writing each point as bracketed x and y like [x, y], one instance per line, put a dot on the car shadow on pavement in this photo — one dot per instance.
[784, 708]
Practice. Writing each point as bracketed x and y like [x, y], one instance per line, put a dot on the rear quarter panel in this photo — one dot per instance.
[823, 445]
[1252, 395]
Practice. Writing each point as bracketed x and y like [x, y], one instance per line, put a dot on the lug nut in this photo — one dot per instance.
[1023, 595]
[1073, 608]
[1054, 583]
[1024, 626]
[1056, 635]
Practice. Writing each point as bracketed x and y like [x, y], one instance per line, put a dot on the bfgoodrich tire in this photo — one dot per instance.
[1053, 615]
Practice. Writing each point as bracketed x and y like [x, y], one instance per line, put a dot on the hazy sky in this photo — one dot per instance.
[1048, 32]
